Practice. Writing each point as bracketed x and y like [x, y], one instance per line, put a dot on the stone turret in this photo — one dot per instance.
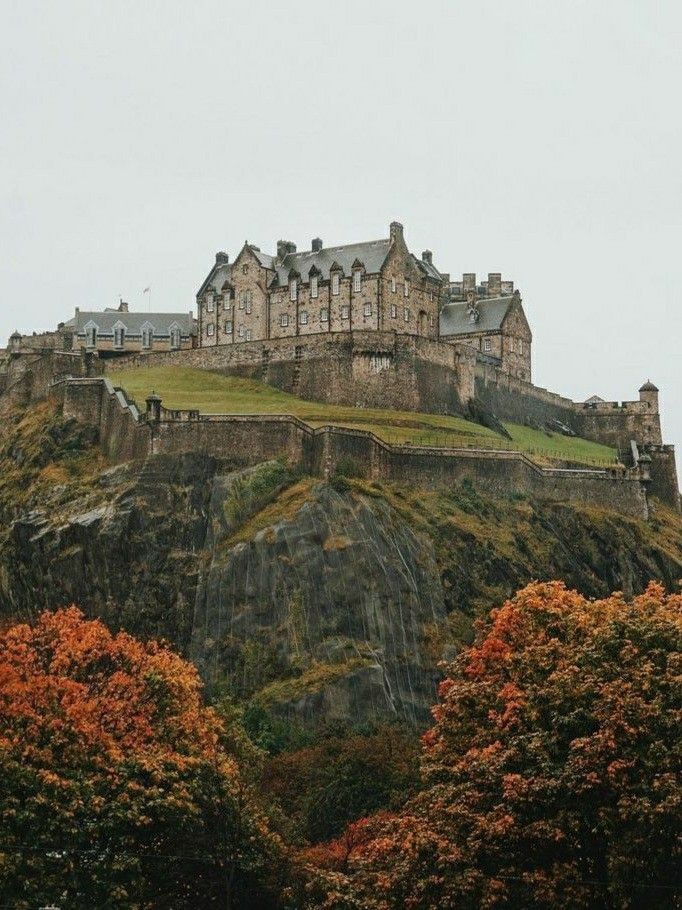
[14, 342]
[649, 393]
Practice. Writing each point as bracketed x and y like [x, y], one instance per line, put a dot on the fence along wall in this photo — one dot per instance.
[126, 434]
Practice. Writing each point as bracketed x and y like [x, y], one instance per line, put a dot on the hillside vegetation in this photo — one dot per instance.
[213, 393]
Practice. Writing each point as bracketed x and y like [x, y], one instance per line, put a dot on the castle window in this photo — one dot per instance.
[511, 345]
[345, 312]
[228, 327]
[406, 314]
[394, 311]
[148, 337]
[303, 317]
[357, 280]
[210, 330]
[335, 283]
[431, 320]
[175, 338]
[293, 289]
[241, 331]
[407, 288]
[248, 334]
[119, 336]
[487, 346]
[520, 346]
[248, 301]
[313, 285]
[210, 305]
[393, 285]
[284, 320]
[242, 299]
[324, 315]
[368, 309]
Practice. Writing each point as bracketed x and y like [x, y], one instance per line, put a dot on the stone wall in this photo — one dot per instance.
[368, 369]
[126, 434]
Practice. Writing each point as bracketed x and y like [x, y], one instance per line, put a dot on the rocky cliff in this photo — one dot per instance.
[314, 600]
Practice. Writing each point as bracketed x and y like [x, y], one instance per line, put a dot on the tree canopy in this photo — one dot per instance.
[551, 774]
[118, 787]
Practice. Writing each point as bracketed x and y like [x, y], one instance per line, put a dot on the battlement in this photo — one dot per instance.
[494, 286]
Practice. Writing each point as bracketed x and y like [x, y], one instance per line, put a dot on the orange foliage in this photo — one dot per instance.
[552, 772]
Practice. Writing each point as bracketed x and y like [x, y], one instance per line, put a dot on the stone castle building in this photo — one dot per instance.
[373, 286]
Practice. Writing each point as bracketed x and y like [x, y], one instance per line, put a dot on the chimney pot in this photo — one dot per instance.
[427, 256]
[316, 245]
[494, 284]
[122, 305]
[284, 248]
[396, 230]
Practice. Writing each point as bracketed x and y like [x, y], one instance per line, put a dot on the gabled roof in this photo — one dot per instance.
[455, 319]
[133, 323]
[372, 254]
[216, 278]
[428, 268]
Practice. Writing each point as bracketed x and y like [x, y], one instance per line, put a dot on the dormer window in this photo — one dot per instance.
[91, 336]
[148, 336]
[314, 286]
[293, 289]
[357, 280]
[335, 284]
[175, 338]
[119, 336]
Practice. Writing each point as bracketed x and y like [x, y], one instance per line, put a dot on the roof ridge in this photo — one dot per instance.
[343, 246]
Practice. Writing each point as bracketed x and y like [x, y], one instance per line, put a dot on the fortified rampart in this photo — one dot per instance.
[361, 369]
[125, 434]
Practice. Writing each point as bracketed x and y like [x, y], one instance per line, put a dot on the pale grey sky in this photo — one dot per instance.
[542, 140]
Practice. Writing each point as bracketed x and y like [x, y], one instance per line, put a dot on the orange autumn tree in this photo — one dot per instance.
[116, 786]
[552, 774]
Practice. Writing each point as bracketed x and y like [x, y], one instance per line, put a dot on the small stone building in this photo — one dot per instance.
[378, 285]
[112, 332]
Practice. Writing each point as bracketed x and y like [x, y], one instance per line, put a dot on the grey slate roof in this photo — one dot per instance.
[454, 317]
[371, 254]
[133, 322]
[216, 278]
[427, 267]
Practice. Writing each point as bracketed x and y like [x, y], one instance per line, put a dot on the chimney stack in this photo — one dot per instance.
[494, 284]
[122, 305]
[469, 281]
[221, 258]
[316, 245]
[427, 256]
[395, 230]
[284, 247]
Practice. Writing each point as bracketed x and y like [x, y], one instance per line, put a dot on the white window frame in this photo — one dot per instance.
[284, 320]
[210, 304]
[407, 288]
[336, 284]
[367, 310]
[393, 286]
[248, 334]
[521, 346]
[345, 311]
[175, 337]
[406, 314]
[357, 281]
[303, 317]
[487, 345]
[511, 346]
[248, 302]
[314, 286]
[210, 329]
[293, 289]
[242, 299]
[148, 336]
[229, 325]
[394, 311]
[324, 314]
[119, 336]
[240, 332]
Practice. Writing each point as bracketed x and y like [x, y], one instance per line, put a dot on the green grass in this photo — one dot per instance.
[213, 393]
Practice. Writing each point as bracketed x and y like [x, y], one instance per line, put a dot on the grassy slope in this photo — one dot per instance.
[213, 393]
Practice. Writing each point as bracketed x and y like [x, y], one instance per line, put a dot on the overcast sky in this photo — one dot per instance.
[539, 139]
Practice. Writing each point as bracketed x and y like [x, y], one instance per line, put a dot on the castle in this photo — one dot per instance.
[366, 325]
[373, 286]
